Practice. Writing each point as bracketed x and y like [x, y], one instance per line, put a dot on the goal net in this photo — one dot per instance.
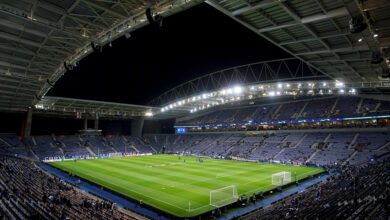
[281, 178]
[223, 196]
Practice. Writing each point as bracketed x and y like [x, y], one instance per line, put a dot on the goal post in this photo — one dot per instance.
[281, 178]
[223, 196]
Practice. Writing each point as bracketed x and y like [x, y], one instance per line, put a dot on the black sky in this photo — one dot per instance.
[190, 44]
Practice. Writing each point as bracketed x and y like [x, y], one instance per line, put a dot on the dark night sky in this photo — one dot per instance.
[195, 42]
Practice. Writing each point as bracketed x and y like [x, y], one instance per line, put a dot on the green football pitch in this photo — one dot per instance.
[182, 186]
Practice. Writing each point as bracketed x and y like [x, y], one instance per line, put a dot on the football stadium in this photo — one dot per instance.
[195, 109]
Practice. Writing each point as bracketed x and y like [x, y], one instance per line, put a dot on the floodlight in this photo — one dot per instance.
[271, 93]
[324, 84]
[148, 114]
[229, 91]
[39, 106]
[237, 89]
[339, 84]
[279, 85]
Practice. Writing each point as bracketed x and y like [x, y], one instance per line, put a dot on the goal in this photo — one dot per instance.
[223, 196]
[281, 178]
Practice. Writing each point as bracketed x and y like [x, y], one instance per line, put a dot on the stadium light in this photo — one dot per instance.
[39, 106]
[279, 85]
[339, 84]
[149, 114]
[237, 90]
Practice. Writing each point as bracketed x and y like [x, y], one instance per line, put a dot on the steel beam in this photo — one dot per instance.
[309, 19]
[261, 4]
[115, 13]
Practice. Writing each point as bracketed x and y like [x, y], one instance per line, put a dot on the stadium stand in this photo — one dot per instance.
[353, 152]
[71, 145]
[11, 145]
[26, 192]
[44, 147]
[326, 107]
[356, 191]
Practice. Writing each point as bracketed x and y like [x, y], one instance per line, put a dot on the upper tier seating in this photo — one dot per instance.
[341, 106]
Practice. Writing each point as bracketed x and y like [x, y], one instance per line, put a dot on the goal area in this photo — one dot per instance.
[223, 196]
[281, 178]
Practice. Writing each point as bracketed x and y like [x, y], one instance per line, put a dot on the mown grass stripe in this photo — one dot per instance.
[167, 183]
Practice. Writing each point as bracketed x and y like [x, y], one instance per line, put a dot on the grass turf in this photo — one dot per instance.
[169, 184]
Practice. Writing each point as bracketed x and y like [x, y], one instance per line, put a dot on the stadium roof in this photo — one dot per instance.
[73, 107]
[38, 37]
[317, 31]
